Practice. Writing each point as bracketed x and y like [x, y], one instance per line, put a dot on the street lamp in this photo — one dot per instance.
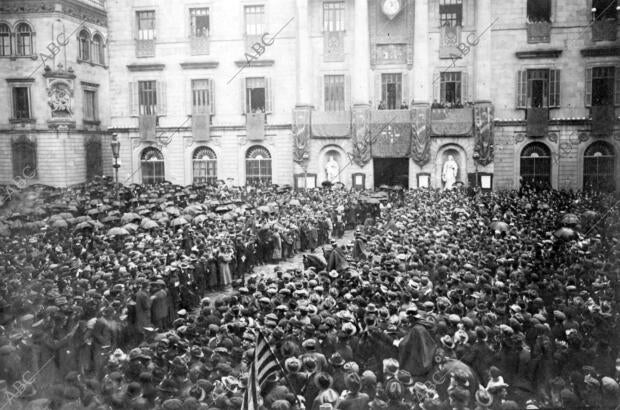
[476, 157]
[116, 147]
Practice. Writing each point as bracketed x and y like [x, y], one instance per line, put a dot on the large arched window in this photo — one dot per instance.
[152, 165]
[84, 45]
[24, 39]
[599, 167]
[205, 166]
[5, 40]
[536, 165]
[98, 55]
[257, 166]
[24, 158]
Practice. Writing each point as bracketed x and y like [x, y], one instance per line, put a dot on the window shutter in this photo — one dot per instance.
[521, 91]
[464, 88]
[133, 98]
[436, 86]
[161, 98]
[588, 88]
[405, 93]
[243, 100]
[320, 83]
[347, 92]
[268, 95]
[212, 96]
[189, 97]
[554, 88]
[617, 86]
[378, 96]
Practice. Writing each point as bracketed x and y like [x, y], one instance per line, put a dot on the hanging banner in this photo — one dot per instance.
[200, 126]
[452, 121]
[537, 122]
[331, 124]
[483, 132]
[255, 126]
[603, 119]
[146, 124]
[301, 135]
[420, 138]
[361, 137]
[391, 133]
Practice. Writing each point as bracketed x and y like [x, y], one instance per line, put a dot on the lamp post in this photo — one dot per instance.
[116, 147]
[476, 157]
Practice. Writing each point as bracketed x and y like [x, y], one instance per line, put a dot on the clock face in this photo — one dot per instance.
[391, 7]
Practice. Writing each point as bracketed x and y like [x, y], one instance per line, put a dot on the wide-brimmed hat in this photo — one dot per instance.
[483, 397]
[336, 360]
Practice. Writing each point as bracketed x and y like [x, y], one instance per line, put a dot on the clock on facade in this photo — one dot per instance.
[391, 8]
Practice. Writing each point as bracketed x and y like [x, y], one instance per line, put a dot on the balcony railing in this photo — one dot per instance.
[452, 121]
[100, 4]
[539, 32]
[199, 45]
[145, 48]
[604, 30]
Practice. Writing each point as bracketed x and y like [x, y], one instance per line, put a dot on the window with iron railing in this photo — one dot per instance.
[334, 93]
[145, 36]
[451, 13]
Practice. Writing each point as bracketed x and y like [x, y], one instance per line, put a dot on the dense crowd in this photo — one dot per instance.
[443, 300]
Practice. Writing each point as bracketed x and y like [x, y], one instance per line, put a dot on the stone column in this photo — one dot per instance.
[421, 79]
[304, 55]
[482, 51]
[360, 76]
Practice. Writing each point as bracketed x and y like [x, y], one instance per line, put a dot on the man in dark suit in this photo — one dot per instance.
[143, 305]
[159, 304]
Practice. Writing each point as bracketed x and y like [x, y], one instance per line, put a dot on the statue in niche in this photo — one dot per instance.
[449, 172]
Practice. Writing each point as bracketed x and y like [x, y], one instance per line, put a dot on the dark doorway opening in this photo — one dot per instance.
[391, 171]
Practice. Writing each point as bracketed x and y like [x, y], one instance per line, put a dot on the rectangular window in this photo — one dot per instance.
[202, 98]
[90, 105]
[199, 22]
[334, 92]
[603, 85]
[538, 11]
[391, 91]
[451, 13]
[605, 9]
[451, 89]
[254, 20]
[538, 88]
[146, 24]
[333, 16]
[147, 97]
[21, 103]
[5, 40]
[255, 94]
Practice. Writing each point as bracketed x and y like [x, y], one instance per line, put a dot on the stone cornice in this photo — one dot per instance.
[538, 54]
[73, 8]
[600, 52]
[146, 67]
[199, 65]
[255, 63]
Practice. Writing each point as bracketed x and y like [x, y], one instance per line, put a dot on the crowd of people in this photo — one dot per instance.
[449, 299]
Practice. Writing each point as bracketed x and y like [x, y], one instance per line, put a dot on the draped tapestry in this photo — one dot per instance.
[483, 132]
[361, 137]
[301, 135]
[420, 138]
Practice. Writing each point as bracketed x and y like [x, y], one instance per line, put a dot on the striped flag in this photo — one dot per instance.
[265, 364]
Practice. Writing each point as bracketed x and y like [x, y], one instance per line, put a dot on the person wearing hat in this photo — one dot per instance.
[352, 398]
[326, 395]
[417, 349]
[143, 304]
[160, 305]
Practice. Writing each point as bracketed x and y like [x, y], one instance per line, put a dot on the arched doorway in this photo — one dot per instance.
[152, 166]
[599, 167]
[257, 166]
[536, 165]
[205, 166]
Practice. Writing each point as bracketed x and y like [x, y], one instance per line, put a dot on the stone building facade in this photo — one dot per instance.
[53, 91]
[272, 91]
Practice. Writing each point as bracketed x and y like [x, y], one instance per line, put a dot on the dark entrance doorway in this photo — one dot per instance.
[391, 171]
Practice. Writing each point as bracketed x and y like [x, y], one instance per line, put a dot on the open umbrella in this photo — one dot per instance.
[118, 232]
[130, 217]
[179, 221]
[193, 209]
[589, 214]
[148, 224]
[83, 225]
[111, 218]
[159, 215]
[570, 219]
[173, 210]
[565, 233]
[60, 223]
[200, 218]
[65, 215]
[295, 202]
[499, 226]
[131, 228]
[83, 218]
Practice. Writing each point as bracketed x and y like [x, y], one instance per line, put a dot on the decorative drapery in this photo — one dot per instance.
[420, 135]
[391, 133]
[361, 137]
[146, 124]
[483, 132]
[603, 118]
[451, 121]
[200, 126]
[331, 124]
[255, 126]
[301, 135]
[537, 122]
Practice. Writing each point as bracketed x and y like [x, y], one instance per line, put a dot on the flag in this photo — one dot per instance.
[264, 365]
